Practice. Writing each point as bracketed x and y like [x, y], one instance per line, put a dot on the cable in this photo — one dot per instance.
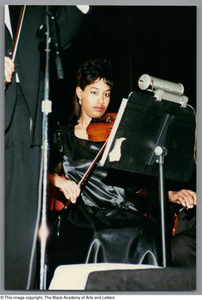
[195, 141]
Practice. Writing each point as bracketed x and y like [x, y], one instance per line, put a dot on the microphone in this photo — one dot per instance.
[55, 40]
[163, 89]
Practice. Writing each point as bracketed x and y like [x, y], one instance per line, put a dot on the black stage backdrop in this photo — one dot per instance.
[157, 40]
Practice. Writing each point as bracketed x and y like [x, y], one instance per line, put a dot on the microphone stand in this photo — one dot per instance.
[55, 41]
[46, 110]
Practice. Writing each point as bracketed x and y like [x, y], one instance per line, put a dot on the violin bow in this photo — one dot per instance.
[85, 176]
[18, 31]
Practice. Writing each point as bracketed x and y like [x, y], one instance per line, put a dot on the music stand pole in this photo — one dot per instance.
[158, 156]
[160, 153]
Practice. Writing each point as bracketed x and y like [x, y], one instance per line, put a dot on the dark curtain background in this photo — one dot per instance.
[157, 40]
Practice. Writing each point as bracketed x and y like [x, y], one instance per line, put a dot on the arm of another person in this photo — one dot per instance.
[9, 68]
[185, 197]
[70, 19]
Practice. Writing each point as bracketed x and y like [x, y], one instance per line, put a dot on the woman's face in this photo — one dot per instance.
[95, 99]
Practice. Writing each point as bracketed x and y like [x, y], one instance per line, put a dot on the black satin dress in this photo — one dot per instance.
[103, 226]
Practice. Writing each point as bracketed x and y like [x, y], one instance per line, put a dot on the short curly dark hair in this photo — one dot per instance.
[93, 69]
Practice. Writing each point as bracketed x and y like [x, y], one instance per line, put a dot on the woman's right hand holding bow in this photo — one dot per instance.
[69, 188]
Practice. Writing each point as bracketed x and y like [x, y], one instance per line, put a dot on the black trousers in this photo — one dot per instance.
[183, 245]
[22, 164]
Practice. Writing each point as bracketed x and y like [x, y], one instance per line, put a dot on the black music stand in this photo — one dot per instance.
[153, 138]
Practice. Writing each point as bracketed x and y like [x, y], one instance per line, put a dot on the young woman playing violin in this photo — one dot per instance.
[99, 224]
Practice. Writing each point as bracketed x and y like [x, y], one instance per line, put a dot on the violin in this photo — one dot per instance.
[99, 129]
